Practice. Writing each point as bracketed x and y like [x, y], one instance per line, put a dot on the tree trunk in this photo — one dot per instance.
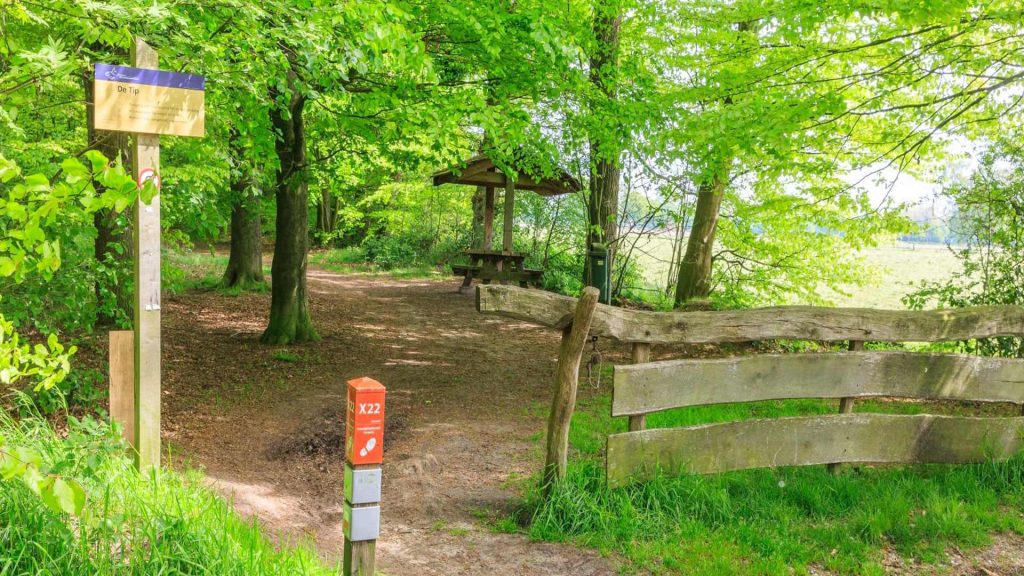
[326, 217]
[695, 267]
[112, 228]
[289, 308]
[245, 264]
[479, 199]
[602, 210]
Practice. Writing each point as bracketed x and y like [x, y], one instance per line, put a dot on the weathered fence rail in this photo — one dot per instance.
[781, 323]
[645, 387]
[656, 386]
[802, 441]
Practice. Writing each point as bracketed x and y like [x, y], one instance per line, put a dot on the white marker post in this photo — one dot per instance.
[147, 102]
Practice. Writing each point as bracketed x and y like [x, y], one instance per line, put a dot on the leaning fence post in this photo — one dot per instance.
[574, 338]
[846, 404]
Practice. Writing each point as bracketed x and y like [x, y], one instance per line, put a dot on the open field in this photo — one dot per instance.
[899, 267]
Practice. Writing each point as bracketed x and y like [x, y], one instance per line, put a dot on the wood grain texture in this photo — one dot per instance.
[122, 381]
[488, 218]
[146, 155]
[865, 438]
[574, 338]
[658, 386]
[640, 354]
[787, 322]
[846, 404]
[359, 558]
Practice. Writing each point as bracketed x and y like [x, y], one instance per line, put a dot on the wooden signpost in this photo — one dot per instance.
[147, 103]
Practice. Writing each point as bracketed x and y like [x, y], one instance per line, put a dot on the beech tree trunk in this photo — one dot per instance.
[602, 210]
[113, 291]
[695, 268]
[245, 264]
[326, 217]
[289, 308]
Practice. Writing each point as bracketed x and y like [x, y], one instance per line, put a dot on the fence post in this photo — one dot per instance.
[574, 338]
[846, 404]
[641, 354]
[122, 382]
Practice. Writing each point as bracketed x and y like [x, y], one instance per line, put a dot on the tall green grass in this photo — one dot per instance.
[784, 521]
[161, 523]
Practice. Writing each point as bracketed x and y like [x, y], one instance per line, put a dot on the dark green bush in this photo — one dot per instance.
[389, 252]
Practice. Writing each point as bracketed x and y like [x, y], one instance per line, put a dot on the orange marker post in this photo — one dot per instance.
[364, 452]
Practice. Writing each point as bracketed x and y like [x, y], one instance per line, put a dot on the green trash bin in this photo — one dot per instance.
[600, 275]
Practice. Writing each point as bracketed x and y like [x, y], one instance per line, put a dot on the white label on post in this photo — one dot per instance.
[361, 523]
[362, 486]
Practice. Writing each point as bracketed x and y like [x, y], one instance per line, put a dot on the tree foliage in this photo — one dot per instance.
[989, 224]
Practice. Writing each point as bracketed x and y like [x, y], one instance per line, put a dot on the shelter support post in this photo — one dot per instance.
[510, 203]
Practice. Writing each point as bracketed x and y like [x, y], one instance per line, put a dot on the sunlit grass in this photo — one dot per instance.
[783, 521]
[161, 523]
[196, 270]
[352, 261]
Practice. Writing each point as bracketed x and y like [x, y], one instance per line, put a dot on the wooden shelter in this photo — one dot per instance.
[504, 265]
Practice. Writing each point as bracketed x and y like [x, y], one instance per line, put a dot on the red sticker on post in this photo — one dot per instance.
[364, 425]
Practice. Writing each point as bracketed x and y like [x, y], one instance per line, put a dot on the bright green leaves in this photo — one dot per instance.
[30, 205]
[48, 364]
[62, 495]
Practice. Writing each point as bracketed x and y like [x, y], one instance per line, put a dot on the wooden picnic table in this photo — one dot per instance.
[503, 266]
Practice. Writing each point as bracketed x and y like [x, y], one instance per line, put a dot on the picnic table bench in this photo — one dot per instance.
[490, 265]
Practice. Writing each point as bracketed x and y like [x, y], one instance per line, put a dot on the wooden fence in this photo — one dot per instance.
[645, 387]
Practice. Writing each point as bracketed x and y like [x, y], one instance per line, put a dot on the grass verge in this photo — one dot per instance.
[163, 523]
[783, 521]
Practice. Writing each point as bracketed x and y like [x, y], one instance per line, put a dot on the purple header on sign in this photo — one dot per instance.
[150, 77]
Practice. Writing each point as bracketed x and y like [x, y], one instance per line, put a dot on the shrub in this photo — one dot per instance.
[389, 252]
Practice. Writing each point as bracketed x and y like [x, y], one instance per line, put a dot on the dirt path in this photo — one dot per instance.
[464, 393]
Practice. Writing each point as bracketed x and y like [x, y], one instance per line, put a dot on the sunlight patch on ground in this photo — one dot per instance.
[263, 502]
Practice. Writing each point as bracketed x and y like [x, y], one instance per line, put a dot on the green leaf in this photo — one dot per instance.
[8, 170]
[148, 192]
[74, 169]
[97, 160]
[63, 496]
[37, 183]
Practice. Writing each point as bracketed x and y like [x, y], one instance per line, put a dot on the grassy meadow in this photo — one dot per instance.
[899, 267]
